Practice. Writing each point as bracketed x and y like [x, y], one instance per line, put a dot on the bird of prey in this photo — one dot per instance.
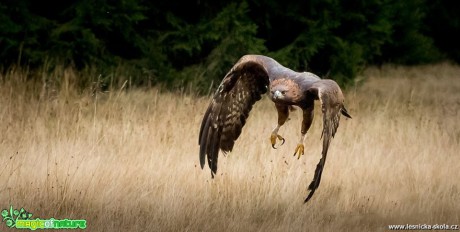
[244, 84]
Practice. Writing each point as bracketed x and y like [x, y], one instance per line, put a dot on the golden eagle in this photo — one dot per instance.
[243, 86]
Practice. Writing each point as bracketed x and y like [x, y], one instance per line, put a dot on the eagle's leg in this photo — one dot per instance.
[306, 123]
[283, 114]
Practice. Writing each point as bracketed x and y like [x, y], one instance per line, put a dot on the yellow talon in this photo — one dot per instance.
[300, 150]
[273, 140]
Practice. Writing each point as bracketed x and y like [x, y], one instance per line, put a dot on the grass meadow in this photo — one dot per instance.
[128, 160]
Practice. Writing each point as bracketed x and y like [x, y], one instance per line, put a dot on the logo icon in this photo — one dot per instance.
[13, 215]
[21, 219]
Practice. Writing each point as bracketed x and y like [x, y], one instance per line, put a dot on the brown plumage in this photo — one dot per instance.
[244, 84]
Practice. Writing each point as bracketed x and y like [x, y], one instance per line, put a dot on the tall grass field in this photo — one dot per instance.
[127, 160]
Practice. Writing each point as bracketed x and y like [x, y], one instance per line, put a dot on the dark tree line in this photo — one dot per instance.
[181, 42]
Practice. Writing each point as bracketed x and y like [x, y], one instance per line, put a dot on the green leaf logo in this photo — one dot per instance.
[4, 213]
[9, 223]
[12, 215]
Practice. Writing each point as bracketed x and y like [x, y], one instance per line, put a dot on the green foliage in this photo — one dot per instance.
[197, 43]
[340, 38]
[20, 33]
[217, 43]
[348, 61]
[408, 44]
[441, 23]
[98, 33]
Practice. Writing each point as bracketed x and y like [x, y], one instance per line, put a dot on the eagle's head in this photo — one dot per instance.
[280, 93]
[284, 91]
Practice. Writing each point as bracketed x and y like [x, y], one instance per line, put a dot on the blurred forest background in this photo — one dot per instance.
[194, 43]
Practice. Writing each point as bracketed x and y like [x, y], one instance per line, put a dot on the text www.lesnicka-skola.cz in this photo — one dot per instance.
[424, 227]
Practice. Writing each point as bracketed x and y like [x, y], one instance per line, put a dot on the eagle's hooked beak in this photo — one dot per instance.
[277, 94]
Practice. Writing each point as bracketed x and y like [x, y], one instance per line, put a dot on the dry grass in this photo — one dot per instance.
[128, 161]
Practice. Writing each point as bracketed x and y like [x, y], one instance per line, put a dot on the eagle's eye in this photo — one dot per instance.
[283, 92]
[272, 92]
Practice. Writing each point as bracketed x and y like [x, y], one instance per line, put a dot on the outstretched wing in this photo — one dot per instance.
[331, 97]
[229, 109]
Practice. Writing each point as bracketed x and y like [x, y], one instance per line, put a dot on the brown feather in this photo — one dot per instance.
[331, 97]
[223, 121]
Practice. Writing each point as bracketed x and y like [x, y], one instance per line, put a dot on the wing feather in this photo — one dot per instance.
[229, 109]
[331, 97]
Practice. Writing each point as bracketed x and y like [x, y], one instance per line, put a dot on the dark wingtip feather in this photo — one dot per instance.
[312, 187]
[202, 157]
[212, 174]
[214, 151]
[203, 140]
[317, 177]
[310, 195]
[345, 112]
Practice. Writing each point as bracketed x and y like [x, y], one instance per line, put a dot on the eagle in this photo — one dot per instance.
[244, 85]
